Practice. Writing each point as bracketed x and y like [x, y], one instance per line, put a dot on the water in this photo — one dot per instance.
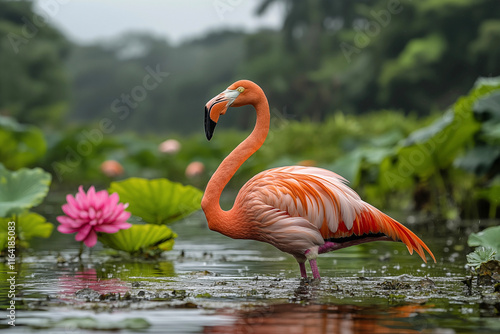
[213, 284]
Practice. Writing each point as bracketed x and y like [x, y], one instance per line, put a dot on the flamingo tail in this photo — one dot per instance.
[372, 223]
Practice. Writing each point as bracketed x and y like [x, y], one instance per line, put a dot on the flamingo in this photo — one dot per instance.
[303, 211]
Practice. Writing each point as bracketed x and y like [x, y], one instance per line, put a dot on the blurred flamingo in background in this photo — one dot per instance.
[303, 211]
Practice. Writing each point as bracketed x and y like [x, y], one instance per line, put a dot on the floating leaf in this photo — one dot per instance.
[158, 201]
[22, 189]
[140, 238]
[489, 237]
[479, 256]
[28, 225]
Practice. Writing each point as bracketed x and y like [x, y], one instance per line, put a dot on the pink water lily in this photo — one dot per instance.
[91, 212]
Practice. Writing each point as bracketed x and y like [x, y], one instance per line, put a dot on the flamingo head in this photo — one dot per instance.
[238, 94]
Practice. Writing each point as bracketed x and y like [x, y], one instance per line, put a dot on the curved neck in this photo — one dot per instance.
[210, 202]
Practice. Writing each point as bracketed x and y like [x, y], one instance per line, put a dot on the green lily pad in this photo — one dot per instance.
[22, 189]
[488, 238]
[479, 256]
[139, 238]
[28, 225]
[158, 201]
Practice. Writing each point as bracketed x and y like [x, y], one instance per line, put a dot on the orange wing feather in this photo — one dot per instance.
[324, 199]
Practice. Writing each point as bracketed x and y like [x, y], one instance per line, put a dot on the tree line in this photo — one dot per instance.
[352, 56]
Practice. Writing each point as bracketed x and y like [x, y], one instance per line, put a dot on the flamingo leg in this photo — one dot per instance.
[303, 271]
[314, 268]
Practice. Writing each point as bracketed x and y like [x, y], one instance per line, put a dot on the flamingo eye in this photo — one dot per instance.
[240, 89]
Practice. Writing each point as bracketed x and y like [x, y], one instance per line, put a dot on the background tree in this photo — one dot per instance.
[33, 81]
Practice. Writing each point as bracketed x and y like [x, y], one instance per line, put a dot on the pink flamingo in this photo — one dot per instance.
[303, 211]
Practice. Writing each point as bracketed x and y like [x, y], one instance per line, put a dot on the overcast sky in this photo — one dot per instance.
[85, 21]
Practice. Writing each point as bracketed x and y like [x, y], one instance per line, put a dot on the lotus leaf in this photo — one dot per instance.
[139, 238]
[157, 201]
[28, 225]
[22, 189]
[488, 238]
[479, 256]
[488, 107]
[437, 146]
[479, 159]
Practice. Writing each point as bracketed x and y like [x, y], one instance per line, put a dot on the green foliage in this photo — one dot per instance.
[28, 225]
[427, 158]
[363, 55]
[418, 54]
[435, 147]
[489, 238]
[31, 225]
[22, 145]
[141, 239]
[492, 195]
[484, 157]
[33, 80]
[479, 256]
[93, 324]
[479, 159]
[22, 189]
[158, 201]
[76, 154]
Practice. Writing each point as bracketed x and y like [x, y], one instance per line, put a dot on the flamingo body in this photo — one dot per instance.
[303, 211]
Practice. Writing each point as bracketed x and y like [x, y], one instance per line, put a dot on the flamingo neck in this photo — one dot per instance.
[218, 219]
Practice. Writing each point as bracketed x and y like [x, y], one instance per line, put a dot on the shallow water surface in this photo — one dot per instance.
[213, 284]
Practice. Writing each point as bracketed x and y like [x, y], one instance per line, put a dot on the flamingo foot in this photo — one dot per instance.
[314, 268]
[303, 272]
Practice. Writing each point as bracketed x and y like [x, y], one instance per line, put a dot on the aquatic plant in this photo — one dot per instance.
[22, 145]
[92, 212]
[154, 203]
[487, 238]
[479, 256]
[147, 239]
[484, 261]
[158, 201]
[20, 191]
[27, 225]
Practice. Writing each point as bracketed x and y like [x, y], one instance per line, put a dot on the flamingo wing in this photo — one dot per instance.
[318, 199]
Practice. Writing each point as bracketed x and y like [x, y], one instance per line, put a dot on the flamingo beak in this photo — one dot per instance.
[216, 107]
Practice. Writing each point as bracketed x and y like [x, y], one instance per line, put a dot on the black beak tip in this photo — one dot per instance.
[209, 125]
